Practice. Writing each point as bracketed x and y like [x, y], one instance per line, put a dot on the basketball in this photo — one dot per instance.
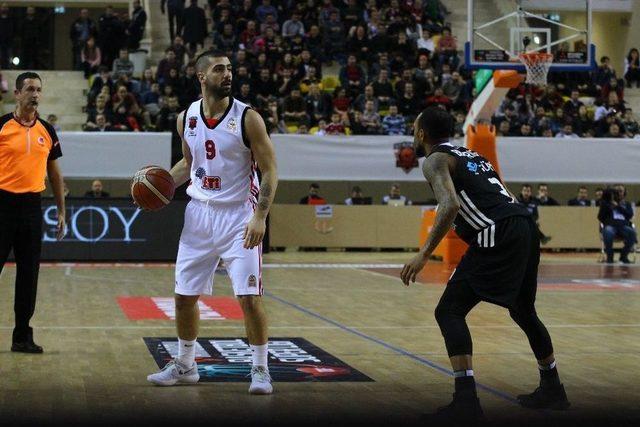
[152, 188]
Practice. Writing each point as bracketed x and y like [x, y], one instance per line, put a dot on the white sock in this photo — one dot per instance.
[186, 352]
[259, 354]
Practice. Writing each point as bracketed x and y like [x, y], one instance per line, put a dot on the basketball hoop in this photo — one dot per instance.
[537, 65]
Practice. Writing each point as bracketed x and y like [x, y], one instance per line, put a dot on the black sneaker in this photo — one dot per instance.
[625, 260]
[545, 398]
[463, 411]
[26, 347]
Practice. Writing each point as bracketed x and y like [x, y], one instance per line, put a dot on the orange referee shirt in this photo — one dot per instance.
[24, 152]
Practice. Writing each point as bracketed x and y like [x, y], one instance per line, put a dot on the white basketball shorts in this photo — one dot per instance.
[210, 233]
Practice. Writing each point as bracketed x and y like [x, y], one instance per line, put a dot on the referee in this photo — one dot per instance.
[29, 148]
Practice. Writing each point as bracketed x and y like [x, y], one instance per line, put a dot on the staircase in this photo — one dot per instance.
[64, 94]
[632, 99]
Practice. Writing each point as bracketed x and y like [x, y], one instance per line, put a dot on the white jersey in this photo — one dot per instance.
[223, 169]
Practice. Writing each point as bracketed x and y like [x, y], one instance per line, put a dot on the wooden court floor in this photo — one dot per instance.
[354, 307]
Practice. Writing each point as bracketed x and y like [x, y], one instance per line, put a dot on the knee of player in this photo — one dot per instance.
[441, 313]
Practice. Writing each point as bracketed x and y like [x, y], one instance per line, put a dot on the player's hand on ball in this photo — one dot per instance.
[254, 232]
[411, 270]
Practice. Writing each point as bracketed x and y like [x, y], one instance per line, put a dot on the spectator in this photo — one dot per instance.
[370, 120]
[394, 123]
[97, 191]
[395, 198]
[31, 43]
[295, 110]
[313, 197]
[352, 15]
[245, 95]
[266, 8]
[53, 121]
[543, 198]
[525, 131]
[293, 26]
[322, 126]
[126, 110]
[90, 57]
[100, 109]
[358, 43]
[318, 104]
[151, 103]
[630, 124]
[409, 104]
[122, 65]
[147, 80]
[82, 29]
[285, 83]
[598, 196]
[425, 43]
[453, 88]
[336, 127]
[264, 87]
[111, 36]
[310, 78]
[334, 38]
[352, 76]
[273, 117]
[341, 102]
[572, 106]
[447, 48]
[615, 219]
[613, 86]
[567, 132]
[195, 26]
[632, 68]
[614, 131]
[357, 198]
[583, 124]
[226, 40]
[582, 199]
[137, 24]
[531, 203]
[604, 73]
[166, 119]
[504, 128]
[439, 98]
[326, 10]
[382, 89]
[249, 35]
[181, 51]
[102, 80]
[368, 95]
[189, 86]
[175, 9]
[166, 64]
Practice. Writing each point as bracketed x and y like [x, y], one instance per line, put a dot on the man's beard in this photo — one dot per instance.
[420, 151]
[219, 92]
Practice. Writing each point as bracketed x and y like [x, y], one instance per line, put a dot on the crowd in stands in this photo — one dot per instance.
[388, 59]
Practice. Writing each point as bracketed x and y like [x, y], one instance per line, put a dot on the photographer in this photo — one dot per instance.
[615, 218]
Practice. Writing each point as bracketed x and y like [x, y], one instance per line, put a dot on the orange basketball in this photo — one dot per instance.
[152, 188]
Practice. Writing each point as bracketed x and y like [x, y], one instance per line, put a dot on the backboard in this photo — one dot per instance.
[500, 30]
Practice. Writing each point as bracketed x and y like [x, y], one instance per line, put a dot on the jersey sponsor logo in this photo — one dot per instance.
[232, 126]
[468, 154]
[252, 282]
[229, 360]
[193, 122]
[406, 158]
[211, 183]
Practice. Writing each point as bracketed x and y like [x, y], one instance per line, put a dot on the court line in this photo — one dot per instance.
[395, 349]
[416, 327]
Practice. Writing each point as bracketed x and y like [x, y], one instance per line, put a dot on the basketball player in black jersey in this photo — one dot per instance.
[500, 266]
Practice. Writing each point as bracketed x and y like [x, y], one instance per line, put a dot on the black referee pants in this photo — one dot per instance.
[21, 230]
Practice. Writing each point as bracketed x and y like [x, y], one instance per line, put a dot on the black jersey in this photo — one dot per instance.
[483, 198]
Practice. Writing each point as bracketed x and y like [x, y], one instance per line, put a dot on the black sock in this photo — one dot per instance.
[465, 383]
[548, 375]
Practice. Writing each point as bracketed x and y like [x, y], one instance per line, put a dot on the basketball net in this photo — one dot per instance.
[537, 65]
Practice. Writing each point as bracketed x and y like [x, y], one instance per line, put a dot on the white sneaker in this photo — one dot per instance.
[260, 381]
[174, 373]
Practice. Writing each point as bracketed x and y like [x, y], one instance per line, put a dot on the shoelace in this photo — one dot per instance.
[261, 373]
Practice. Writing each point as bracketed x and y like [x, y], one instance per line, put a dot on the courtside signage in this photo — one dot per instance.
[164, 308]
[229, 360]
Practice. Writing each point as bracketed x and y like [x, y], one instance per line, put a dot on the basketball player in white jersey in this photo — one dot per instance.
[225, 219]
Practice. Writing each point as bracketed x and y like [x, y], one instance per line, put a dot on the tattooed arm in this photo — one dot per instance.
[263, 153]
